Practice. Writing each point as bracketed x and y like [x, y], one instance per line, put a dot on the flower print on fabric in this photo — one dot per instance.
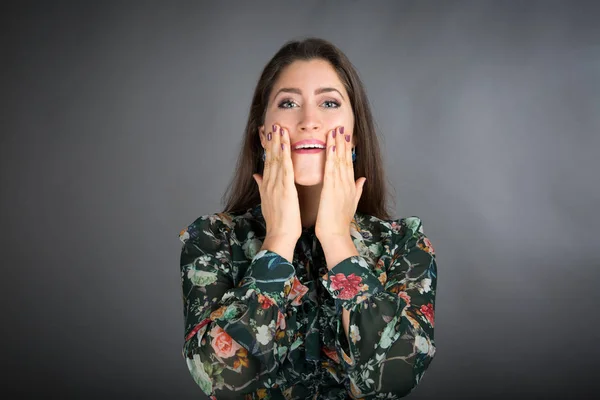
[427, 311]
[257, 326]
[349, 286]
[222, 344]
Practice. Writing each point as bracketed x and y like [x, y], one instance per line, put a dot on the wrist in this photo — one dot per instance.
[337, 248]
[282, 245]
[333, 237]
[331, 233]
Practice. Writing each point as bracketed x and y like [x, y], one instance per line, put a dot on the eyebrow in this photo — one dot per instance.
[317, 91]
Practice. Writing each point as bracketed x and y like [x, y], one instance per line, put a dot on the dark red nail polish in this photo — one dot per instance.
[342, 130]
[269, 136]
[333, 133]
[347, 138]
[274, 128]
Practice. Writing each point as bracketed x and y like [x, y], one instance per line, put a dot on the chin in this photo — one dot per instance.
[309, 180]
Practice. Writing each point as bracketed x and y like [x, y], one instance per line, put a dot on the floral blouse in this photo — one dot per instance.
[260, 327]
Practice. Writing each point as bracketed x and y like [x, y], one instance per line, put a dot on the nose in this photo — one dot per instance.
[310, 121]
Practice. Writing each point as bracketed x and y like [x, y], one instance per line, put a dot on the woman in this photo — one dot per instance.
[303, 287]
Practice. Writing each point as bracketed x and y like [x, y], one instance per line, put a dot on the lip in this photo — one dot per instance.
[308, 141]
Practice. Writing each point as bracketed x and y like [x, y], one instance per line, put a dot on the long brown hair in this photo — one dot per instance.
[242, 192]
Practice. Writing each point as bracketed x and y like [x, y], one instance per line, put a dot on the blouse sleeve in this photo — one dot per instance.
[234, 331]
[391, 306]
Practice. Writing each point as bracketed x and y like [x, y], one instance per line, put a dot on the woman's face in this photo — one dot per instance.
[309, 101]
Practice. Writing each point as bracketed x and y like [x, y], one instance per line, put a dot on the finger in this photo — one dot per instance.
[286, 155]
[276, 150]
[340, 148]
[348, 155]
[347, 145]
[268, 159]
[330, 158]
[272, 157]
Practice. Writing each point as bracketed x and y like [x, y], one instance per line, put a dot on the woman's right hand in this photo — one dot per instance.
[278, 194]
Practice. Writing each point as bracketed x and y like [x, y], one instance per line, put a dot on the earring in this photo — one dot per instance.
[353, 154]
[264, 156]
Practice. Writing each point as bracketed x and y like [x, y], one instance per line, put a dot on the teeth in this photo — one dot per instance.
[309, 146]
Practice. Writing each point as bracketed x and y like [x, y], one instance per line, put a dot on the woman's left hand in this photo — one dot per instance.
[340, 193]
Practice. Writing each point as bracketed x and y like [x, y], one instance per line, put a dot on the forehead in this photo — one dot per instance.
[307, 75]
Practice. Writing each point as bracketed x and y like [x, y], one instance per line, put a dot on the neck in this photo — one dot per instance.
[308, 199]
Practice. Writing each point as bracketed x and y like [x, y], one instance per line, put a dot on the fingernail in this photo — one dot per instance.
[342, 130]
[269, 136]
[347, 138]
[281, 131]
[281, 146]
[274, 128]
[333, 148]
[333, 133]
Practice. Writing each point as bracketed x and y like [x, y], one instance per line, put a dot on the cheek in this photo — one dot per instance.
[277, 116]
[346, 120]
[350, 123]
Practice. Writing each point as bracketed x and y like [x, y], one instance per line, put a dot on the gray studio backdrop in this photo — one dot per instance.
[121, 123]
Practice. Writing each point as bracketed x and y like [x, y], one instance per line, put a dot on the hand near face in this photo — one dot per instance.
[340, 193]
[279, 198]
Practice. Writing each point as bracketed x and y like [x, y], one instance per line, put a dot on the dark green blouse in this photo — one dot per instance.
[260, 327]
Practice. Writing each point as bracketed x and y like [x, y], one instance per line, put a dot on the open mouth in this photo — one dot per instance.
[308, 151]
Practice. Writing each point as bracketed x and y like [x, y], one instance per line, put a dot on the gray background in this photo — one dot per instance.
[120, 124]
